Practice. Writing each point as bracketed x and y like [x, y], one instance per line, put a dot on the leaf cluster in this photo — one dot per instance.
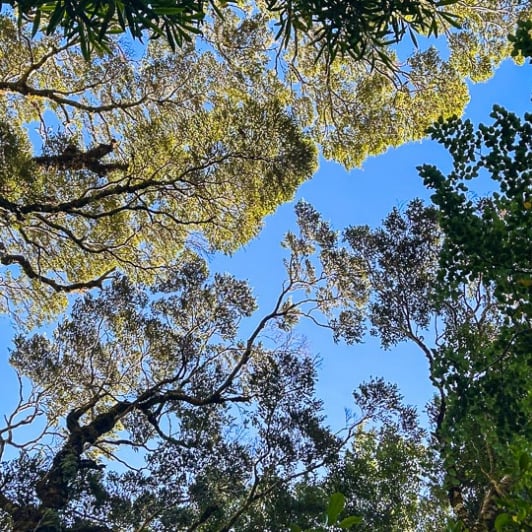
[522, 39]
[363, 29]
[487, 236]
[93, 23]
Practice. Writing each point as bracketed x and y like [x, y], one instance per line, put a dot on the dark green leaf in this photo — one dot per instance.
[350, 521]
[335, 507]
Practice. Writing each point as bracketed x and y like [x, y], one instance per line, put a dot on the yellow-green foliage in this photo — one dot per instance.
[211, 138]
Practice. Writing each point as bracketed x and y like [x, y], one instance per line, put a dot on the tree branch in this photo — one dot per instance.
[27, 268]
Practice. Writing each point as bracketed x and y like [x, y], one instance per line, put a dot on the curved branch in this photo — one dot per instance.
[27, 268]
[22, 88]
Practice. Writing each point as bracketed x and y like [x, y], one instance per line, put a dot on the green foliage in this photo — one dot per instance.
[332, 519]
[382, 476]
[220, 159]
[485, 419]
[93, 23]
[487, 236]
[339, 28]
[522, 40]
[479, 356]
[517, 503]
[165, 370]
[223, 420]
[364, 30]
[13, 156]
[402, 258]
[138, 159]
[335, 507]
[201, 143]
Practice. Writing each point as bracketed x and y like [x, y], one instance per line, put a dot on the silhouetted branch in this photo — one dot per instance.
[73, 158]
[8, 260]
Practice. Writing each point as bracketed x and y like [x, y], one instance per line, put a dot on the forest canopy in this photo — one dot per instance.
[158, 396]
[233, 122]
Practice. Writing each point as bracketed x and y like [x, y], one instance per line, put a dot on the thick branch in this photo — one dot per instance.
[27, 268]
[24, 89]
[75, 205]
[53, 488]
[489, 510]
[73, 158]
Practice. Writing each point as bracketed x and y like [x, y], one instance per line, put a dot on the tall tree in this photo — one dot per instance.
[478, 365]
[165, 372]
[195, 154]
[219, 420]
[454, 279]
[489, 237]
[382, 474]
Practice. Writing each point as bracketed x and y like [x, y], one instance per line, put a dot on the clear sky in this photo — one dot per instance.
[359, 197]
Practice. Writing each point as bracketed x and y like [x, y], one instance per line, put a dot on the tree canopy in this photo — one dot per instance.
[233, 122]
[478, 365]
[488, 235]
[220, 420]
[164, 399]
[234, 420]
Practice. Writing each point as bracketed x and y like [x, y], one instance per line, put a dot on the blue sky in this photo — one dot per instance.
[360, 197]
